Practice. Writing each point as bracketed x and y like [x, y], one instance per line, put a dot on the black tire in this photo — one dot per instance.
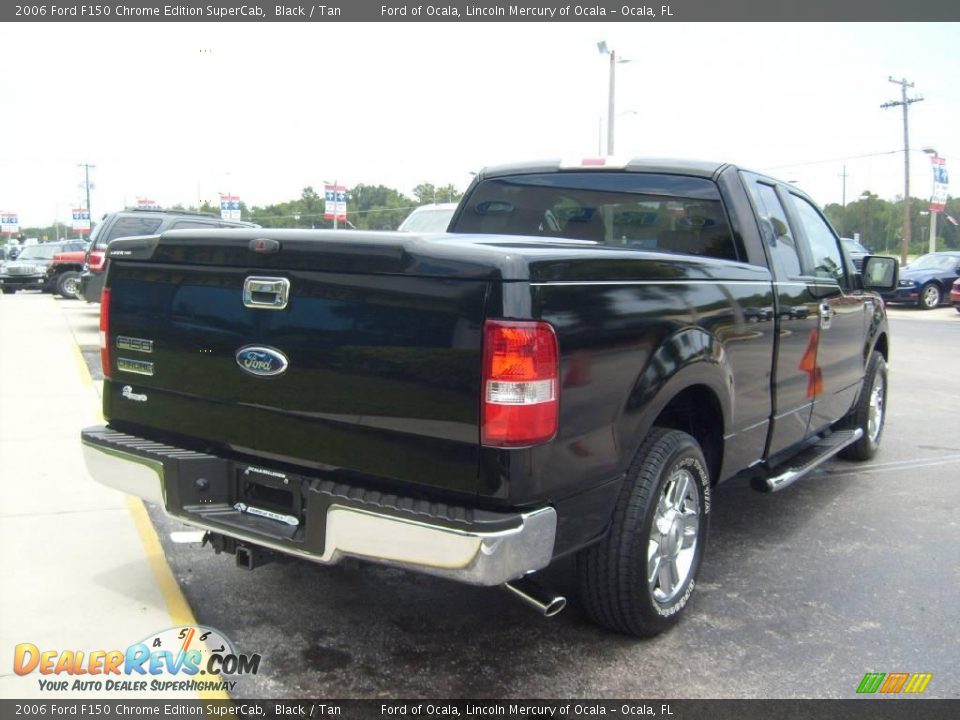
[9, 291]
[68, 284]
[870, 412]
[613, 574]
[930, 296]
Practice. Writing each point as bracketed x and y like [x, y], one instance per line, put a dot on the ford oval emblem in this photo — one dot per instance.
[261, 361]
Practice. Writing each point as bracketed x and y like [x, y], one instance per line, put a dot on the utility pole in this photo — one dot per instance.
[905, 102]
[86, 185]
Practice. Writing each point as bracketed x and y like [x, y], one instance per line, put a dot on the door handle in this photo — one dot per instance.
[826, 315]
[266, 293]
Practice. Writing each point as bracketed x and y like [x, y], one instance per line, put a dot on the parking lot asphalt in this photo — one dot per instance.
[854, 569]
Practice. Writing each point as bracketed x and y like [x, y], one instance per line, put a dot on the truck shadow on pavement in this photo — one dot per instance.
[361, 630]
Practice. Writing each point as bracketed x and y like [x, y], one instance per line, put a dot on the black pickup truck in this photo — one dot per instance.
[570, 370]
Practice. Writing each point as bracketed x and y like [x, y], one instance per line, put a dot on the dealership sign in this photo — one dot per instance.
[335, 206]
[81, 220]
[230, 207]
[941, 185]
[9, 223]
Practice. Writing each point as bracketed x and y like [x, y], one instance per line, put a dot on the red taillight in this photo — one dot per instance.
[105, 332]
[521, 368]
[95, 261]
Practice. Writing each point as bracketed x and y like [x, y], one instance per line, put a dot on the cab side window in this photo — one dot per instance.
[776, 231]
[824, 245]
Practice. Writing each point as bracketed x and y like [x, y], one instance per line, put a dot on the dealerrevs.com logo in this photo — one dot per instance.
[192, 658]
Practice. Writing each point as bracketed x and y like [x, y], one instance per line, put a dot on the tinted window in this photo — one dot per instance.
[827, 259]
[127, 226]
[649, 212]
[776, 231]
[186, 224]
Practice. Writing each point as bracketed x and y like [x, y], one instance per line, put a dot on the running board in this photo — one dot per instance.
[809, 459]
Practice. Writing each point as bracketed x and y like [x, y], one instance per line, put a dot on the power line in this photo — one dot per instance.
[832, 160]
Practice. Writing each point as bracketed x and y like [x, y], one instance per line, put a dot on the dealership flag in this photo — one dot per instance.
[9, 223]
[941, 184]
[230, 207]
[81, 220]
[336, 202]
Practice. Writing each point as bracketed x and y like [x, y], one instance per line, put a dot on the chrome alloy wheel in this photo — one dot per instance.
[71, 286]
[673, 536]
[875, 412]
[931, 296]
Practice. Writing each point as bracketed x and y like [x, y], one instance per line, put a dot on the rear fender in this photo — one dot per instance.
[689, 358]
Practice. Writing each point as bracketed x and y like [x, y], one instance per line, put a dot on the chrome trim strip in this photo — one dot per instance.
[472, 557]
[138, 367]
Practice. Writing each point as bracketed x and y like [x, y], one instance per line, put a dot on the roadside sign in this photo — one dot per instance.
[335, 206]
[81, 220]
[9, 223]
[230, 207]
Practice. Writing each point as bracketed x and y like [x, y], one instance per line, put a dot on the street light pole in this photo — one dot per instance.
[612, 92]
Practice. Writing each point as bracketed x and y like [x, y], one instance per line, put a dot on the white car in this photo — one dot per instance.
[429, 218]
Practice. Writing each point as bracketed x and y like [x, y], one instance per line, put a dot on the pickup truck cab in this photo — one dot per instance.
[570, 371]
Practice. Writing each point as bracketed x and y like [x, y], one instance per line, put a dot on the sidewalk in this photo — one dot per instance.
[82, 567]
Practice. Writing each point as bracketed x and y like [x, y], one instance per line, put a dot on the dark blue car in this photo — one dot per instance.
[927, 280]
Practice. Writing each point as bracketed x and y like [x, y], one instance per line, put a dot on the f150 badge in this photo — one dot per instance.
[261, 361]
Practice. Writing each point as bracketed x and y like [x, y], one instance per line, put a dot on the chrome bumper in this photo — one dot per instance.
[472, 556]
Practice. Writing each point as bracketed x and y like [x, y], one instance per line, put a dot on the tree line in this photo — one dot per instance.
[377, 207]
[369, 207]
[880, 223]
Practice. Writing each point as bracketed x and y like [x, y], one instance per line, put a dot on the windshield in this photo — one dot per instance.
[39, 252]
[852, 245]
[935, 262]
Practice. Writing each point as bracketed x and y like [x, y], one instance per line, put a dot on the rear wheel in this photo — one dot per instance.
[9, 291]
[641, 575]
[68, 284]
[929, 296]
[870, 411]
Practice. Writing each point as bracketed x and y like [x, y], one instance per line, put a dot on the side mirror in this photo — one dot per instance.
[880, 274]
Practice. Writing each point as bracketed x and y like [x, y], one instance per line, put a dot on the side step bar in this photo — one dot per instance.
[810, 459]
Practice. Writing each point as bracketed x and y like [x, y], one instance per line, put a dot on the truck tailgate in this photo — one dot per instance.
[381, 352]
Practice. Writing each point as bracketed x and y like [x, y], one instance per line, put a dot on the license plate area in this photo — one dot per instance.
[268, 502]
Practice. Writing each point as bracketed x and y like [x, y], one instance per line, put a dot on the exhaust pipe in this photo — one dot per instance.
[534, 595]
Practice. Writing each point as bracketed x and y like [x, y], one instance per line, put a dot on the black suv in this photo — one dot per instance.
[136, 221]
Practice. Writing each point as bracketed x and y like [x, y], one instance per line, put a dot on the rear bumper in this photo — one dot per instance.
[322, 520]
[91, 285]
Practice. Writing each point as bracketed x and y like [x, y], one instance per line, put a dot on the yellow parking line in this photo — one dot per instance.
[85, 376]
[177, 606]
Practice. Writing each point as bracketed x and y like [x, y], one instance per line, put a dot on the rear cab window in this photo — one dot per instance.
[130, 226]
[665, 213]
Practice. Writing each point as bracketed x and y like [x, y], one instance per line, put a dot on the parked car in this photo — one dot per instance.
[136, 221]
[927, 280]
[855, 251]
[955, 295]
[63, 275]
[29, 270]
[429, 218]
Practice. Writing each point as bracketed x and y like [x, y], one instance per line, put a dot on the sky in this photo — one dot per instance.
[178, 113]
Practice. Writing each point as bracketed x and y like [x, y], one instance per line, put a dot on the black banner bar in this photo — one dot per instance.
[483, 11]
[872, 708]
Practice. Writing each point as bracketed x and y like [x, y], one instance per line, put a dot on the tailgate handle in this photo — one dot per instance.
[266, 293]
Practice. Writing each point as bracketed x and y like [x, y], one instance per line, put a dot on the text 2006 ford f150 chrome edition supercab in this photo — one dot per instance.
[570, 371]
